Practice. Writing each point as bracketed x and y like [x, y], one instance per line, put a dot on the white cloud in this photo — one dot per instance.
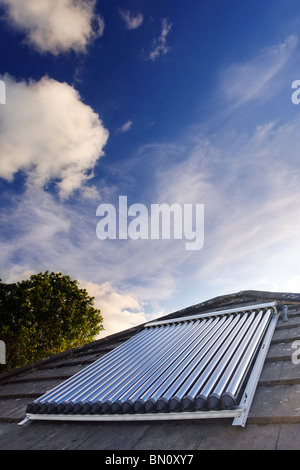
[120, 310]
[159, 45]
[55, 26]
[47, 132]
[249, 185]
[38, 232]
[250, 80]
[132, 21]
[254, 230]
[46, 235]
[126, 126]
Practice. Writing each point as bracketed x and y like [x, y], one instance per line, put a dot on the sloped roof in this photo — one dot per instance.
[273, 422]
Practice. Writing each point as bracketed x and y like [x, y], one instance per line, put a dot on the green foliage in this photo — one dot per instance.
[44, 315]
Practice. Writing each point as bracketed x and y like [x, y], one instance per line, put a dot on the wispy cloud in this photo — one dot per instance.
[55, 26]
[47, 234]
[244, 82]
[132, 21]
[159, 45]
[254, 236]
[42, 238]
[126, 126]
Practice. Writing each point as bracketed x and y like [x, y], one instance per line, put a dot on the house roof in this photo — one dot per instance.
[273, 421]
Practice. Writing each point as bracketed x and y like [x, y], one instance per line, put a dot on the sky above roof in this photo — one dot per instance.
[164, 102]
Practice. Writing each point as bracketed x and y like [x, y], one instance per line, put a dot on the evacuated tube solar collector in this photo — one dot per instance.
[180, 365]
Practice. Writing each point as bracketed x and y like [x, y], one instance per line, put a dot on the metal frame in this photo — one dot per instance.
[212, 314]
[236, 413]
[249, 392]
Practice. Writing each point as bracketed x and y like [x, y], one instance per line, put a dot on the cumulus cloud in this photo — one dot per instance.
[159, 45]
[47, 132]
[132, 21]
[55, 26]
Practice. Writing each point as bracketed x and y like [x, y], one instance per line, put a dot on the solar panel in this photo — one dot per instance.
[196, 366]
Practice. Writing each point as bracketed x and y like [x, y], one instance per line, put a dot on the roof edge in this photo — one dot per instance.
[242, 296]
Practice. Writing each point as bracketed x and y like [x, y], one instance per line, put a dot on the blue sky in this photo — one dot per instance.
[163, 102]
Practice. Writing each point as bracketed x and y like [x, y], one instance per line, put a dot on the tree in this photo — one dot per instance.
[44, 315]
